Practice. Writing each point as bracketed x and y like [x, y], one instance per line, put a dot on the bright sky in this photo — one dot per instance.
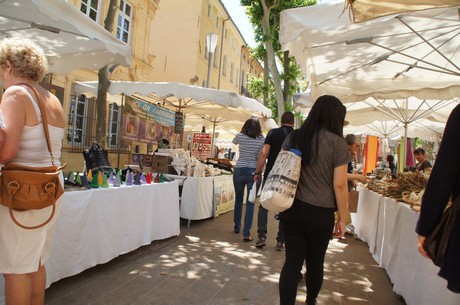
[239, 17]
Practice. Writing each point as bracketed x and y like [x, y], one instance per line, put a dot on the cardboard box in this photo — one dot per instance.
[162, 164]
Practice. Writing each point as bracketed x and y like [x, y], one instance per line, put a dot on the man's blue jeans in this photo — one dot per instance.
[242, 178]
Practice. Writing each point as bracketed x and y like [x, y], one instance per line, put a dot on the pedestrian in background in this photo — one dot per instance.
[309, 224]
[422, 162]
[444, 183]
[249, 141]
[270, 151]
[24, 252]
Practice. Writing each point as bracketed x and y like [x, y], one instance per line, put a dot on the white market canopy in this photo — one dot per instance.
[396, 56]
[70, 39]
[186, 98]
[422, 128]
[201, 106]
[391, 117]
[370, 9]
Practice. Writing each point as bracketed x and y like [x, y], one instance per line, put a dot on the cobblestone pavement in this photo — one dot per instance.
[209, 264]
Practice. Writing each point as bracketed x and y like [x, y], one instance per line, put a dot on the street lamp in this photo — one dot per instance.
[211, 43]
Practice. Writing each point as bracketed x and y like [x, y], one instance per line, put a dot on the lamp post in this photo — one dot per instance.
[211, 43]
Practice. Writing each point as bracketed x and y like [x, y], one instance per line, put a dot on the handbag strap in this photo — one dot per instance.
[44, 118]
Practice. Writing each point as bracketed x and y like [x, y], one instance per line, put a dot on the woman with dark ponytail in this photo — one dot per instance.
[309, 224]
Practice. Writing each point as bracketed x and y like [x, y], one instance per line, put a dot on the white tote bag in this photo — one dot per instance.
[280, 187]
[253, 193]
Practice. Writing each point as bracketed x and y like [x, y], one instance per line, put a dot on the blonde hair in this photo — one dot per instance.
[27, 59]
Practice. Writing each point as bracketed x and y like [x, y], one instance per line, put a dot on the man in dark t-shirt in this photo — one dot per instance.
[270, 151]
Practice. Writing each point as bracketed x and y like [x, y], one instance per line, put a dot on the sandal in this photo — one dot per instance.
[247, 239]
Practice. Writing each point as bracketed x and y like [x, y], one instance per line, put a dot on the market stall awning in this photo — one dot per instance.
[210, 104]
[70, 39]
[362, 10]
[422, 128]
[410, 54]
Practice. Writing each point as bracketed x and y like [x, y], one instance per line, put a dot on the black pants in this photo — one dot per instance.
[307, 230]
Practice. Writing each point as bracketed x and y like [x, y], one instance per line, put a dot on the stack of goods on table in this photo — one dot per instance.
[186, 165]
[407, 187]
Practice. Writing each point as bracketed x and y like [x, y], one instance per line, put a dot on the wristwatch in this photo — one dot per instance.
[256, 173]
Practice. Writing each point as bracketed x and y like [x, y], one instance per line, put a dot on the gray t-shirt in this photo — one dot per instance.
[316, 185]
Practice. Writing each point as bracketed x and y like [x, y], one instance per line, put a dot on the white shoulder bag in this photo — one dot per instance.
[280, 187]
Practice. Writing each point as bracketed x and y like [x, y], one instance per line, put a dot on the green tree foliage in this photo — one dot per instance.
[267, 38]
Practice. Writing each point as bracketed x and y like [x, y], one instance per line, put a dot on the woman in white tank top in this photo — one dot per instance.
[22, 140]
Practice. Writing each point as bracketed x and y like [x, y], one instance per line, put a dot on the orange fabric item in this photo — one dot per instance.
[371, 150]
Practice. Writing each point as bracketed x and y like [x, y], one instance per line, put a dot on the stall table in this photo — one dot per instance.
[206, 197]
[388, 227]
[97, 225]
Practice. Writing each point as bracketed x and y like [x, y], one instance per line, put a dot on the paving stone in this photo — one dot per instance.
[208, 264]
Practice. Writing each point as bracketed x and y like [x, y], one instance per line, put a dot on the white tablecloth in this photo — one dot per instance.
[389, 229]
[98, 225]
[201, 195]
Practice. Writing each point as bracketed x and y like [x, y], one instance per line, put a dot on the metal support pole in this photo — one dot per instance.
[209, 69]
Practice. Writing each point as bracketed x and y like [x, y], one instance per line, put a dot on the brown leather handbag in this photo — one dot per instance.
[31, 188]
[436, 243]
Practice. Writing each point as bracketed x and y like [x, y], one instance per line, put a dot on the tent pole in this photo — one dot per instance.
[405, 145]
[212, 139]
[119, 129]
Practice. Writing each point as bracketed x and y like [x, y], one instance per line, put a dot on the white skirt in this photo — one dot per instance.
[22, 250]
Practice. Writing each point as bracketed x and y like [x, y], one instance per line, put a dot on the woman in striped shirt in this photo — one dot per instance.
[250, 141]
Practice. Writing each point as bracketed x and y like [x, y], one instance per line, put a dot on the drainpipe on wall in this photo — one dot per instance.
[241, 71]
[221, 51]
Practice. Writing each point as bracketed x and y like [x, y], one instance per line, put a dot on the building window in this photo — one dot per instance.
[217, 22]
[224, 66]
[216, 56]
[114, 125]
[226, 34]
[90, 8]
[124, 22]
[209, 10]
[233, 43]
[82, 121]
[232, 67]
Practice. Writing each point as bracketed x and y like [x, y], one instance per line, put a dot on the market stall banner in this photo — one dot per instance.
[224, 195]
[145, 122]
[201, 145]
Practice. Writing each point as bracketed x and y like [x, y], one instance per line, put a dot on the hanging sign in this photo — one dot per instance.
[179, 123]
[201, 145]
[145, 122]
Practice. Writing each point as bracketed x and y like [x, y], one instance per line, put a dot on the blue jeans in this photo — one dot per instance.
[242, 177]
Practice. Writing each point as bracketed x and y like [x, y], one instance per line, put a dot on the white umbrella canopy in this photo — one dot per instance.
[404, 111]
[362, 10]
[219, 111]
[396, 56]
[70, 39]
[214, 104]
[389, 118]
[303, 101]
[229, 128]
[422, 128]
